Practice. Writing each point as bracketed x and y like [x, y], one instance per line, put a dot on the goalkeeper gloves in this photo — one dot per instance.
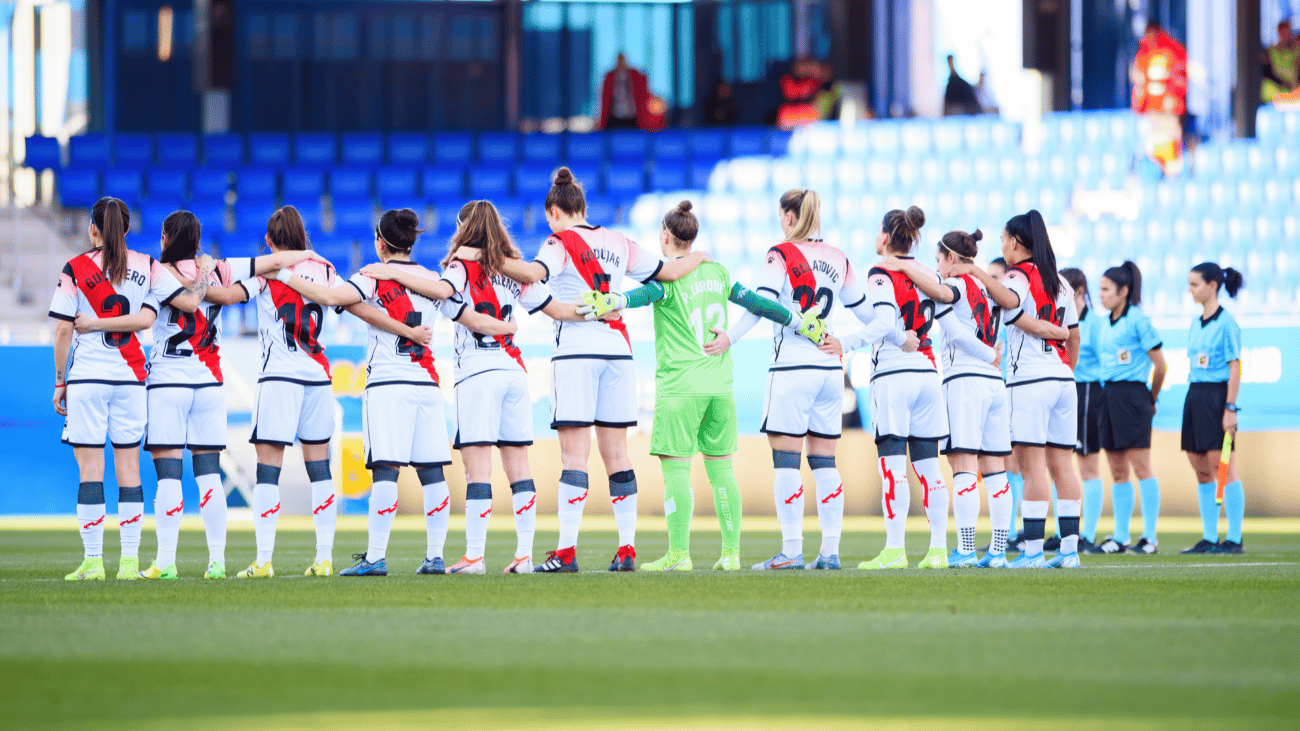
[812, 327]
[593, 305]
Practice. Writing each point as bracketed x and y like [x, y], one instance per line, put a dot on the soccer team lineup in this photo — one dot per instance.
[1019, 375]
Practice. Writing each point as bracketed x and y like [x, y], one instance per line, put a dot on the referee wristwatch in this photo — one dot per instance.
[1231, 407]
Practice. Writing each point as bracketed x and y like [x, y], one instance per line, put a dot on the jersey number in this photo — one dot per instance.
[919, 322]
[716, 316]
[115, 305]
[807, 298]
[178, 345]
[486, 308]
[988, 321]
[302, 324]
[1056, 316]
[409, 347]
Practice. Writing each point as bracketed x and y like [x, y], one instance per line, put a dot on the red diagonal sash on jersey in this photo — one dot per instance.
[802, 281]
[481, 290]
[592, 273]
[282, 294]
[94, 284]
[909, 307]
[397, 303]
[1046, 307]
[980, 310]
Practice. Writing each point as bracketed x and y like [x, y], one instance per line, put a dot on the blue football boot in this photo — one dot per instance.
[362, 567]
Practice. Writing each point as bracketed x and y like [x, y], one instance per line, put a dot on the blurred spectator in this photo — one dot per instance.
[809, 93]
[625, 99]
[1281, 65]
[1159, 76]
[720, 106]
[984, 96]
[959, 97]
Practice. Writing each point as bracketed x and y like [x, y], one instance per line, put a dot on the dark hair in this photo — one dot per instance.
[681, 223]
[1030, 231]
[903, 227]
[399, 229]
[112, 219]
[1127, 275]
[806, 206]
[566, 193]
[1078, 280]
[1229, 278]
[479, 226]
[182, 230]
[962, 244]
[1000, 262]
[286, 230]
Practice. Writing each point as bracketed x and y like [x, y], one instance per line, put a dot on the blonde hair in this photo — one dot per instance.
[807, 206]
[479, 226]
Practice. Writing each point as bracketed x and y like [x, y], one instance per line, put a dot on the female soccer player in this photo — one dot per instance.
[997, 269]
[1214, 349]
[695, 409]
[1088, 387]
[187, 404]
[593, 382]
[402, 408]
[493, 406]
[1129, 351]
[805, 385]
[101, 388]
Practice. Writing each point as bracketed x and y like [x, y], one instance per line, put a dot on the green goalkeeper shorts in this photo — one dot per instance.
[686, 424]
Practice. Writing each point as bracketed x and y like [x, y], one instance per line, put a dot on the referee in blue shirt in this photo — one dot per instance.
[1128, 348]
[1214, 348]
[1087, 380]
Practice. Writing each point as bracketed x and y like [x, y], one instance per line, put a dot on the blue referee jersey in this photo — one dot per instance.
[1213, 343]
[1123, 344]
[1088, 369]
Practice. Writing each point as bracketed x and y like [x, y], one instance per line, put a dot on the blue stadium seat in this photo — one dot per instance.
[443, 223]
[439, 182]
[355, 218]
[778, 142]
[628, 145]
[669, 175]
[749, 174]
[132, 150]
[365, 149]
[532, 181]
[212, 219]
[886, 139]
[88, 151]
[918, 137]
[584, 148]
[708, 144]
[338, 248]
[178, 149]
[242, 243]
[315, 149]
[541, 148]
[78, 188]
[588, 176]
[396, 186]
[488, 181]
[949, 136]
[152, 214]
[625, 180]
[126, 184]
[512, 210]
[256, 184]
[500, 148]
[166, 185]
[209, 185]
[310, 211]
[701, 173]
[251, 219]
[748, 141]
[223, 151]
[270, 149]
[350, 182]
[601, 211]
[669, 146]
[408, 148]
[302, 184]
[453, 148]
[43, 153]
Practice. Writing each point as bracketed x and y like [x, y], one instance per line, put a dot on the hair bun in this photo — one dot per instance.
[684, 206]
[408, 221]
[978, 235]
[563, 176]
[915, 217]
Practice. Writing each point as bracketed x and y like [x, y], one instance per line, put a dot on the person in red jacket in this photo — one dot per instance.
[1159, 77]
[625, 98]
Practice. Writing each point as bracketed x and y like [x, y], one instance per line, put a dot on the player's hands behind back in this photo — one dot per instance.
[812, 327]
[593, 305]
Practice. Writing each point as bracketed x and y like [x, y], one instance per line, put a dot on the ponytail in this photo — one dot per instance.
[1030, 231]
[1230, 279]
[964, 245]
[183, 233]
[1127, 275]
[904, 228]
[806, 205]
[479, 226]
[682, 224]
[286, 230]
[112, 219]
[1077, 281]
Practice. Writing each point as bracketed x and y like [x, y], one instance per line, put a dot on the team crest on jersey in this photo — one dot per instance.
[1124, 356]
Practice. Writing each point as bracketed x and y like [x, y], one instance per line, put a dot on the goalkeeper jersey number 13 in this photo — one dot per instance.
[691, 307]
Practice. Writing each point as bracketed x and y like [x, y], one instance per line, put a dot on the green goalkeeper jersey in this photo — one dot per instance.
[683, 318]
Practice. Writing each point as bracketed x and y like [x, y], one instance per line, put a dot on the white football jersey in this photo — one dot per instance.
[612, 256]
[893, 294]
[110, 357]
[289, 326]
[389, 358]
[475, 352]
[187, 345]
[807, 275]
[976, 314]
[1031, 358]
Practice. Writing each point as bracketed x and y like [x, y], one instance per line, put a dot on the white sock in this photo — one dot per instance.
[524, 501]
[1000, 506]
[212, 508]
[1067, 512]
[895, 498]
[1034, 510]
[324, 508]
[787, 492]
[266, 511]
[935, 498]
[573, 497]
[478, 511]
[966, 509]
[130, 520]
[90, 518]
[167, 507]
[830, 501]
[437, 510]
[383, 506]
[622, 497]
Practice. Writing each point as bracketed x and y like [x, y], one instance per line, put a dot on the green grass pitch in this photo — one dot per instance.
[1127, 642]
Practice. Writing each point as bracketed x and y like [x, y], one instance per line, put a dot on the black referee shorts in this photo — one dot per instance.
[1090, 395]
[1126, 414]
[1203, 417]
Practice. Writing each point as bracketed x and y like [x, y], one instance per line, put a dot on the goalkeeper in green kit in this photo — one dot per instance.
[695, 410]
